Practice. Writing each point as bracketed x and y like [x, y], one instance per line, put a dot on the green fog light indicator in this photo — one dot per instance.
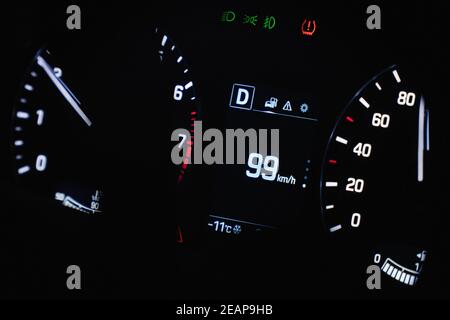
[269, 22]
[228, 16]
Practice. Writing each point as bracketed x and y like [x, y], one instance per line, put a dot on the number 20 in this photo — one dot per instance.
[355, 185]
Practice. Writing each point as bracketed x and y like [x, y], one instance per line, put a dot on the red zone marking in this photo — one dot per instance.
[188, 151]
[180, 235]
[334, 162]
[350, 119]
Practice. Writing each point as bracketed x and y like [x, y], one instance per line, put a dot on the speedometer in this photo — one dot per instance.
[374, 179]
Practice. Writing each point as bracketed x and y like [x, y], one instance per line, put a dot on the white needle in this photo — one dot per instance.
[60, 85]
[421, 141]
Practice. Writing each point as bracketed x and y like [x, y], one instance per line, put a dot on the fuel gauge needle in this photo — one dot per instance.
[63, 89]
[421, 140]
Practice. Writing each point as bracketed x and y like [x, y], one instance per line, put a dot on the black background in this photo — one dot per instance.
[129, 252]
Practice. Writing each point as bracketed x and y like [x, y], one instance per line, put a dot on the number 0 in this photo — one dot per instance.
[356, 220]
[377, 258]
[41, 163]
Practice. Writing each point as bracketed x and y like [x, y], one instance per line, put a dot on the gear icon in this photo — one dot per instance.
[304, 108]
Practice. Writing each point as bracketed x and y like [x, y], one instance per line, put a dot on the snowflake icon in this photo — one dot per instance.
[237, 229]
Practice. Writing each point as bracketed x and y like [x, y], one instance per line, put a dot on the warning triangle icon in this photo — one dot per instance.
[287, 107]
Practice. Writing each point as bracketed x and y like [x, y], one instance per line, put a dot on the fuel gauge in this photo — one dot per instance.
[403, 265]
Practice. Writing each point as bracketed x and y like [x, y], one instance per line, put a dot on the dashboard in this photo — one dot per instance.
[296, 151]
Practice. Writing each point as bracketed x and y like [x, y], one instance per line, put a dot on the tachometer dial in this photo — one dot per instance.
[184, 110]
[181, 92]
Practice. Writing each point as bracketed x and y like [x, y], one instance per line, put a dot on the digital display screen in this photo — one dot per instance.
[272, 188]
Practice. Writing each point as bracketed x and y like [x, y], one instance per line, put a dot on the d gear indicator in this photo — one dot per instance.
[255, 98]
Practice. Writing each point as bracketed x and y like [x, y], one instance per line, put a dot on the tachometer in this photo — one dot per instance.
[184, 109]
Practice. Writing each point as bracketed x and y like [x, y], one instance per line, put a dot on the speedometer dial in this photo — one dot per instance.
[374, 178]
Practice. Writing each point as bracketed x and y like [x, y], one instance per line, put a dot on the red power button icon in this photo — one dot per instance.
[309, 27]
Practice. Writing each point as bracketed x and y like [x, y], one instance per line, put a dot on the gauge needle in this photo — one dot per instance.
[61, 86]
[421, 140]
